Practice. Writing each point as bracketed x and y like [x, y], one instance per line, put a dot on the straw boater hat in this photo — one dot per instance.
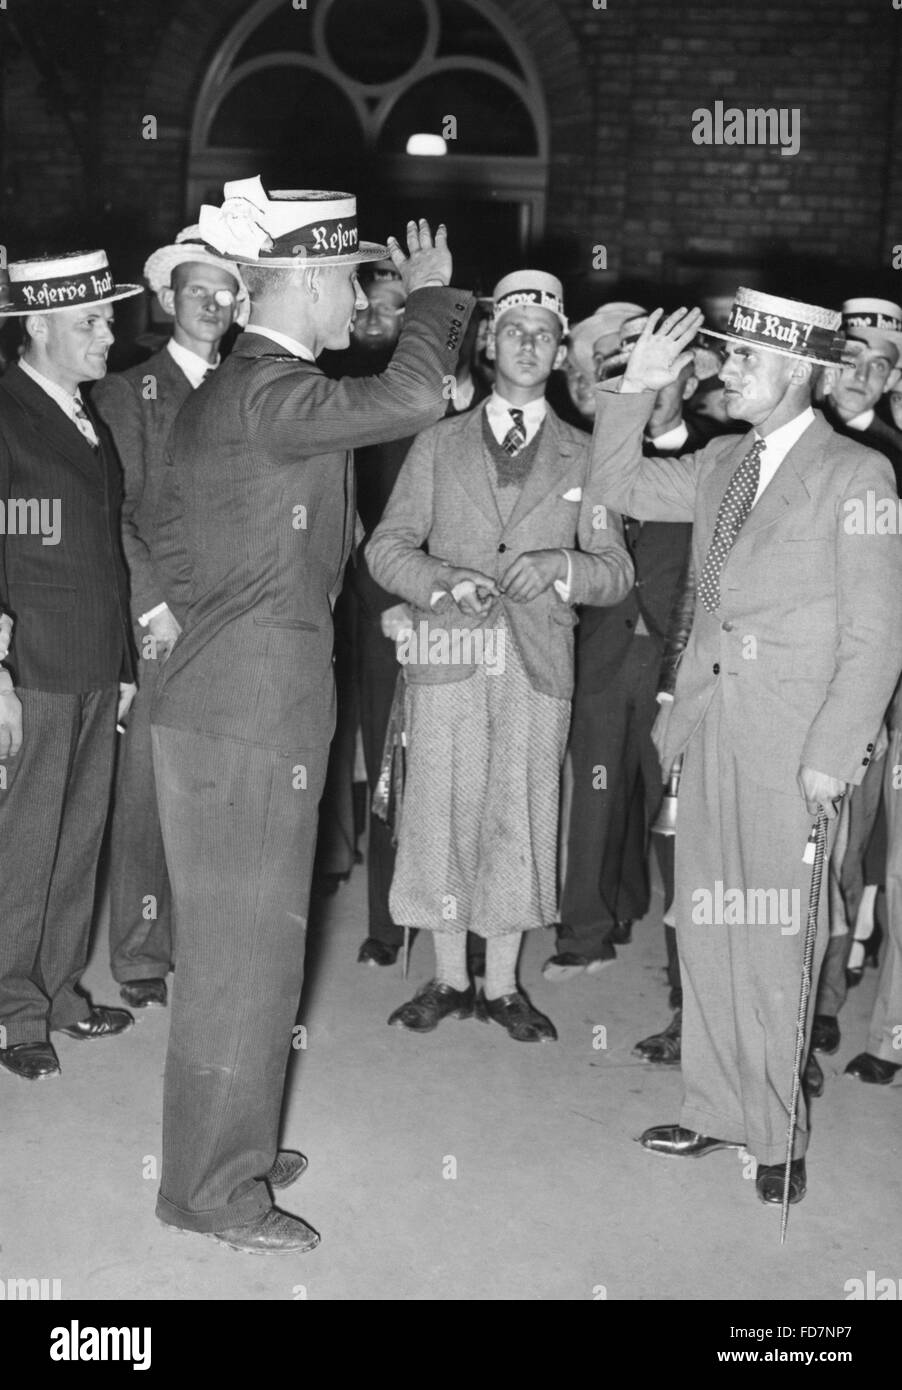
[877, 322]
[529, 287]
[287, 228]
[49, 283]
[787, 326]
[190, 249]
[609, 318]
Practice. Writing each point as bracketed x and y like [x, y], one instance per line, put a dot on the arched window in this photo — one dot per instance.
[330, 96]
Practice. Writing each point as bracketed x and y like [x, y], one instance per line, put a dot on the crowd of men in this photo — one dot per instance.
[667, 587]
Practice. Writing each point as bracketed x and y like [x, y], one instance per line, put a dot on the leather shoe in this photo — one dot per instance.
[144, 994]
[622, 934]
[100, 1023]
[872, 1070]
[374, 952]
[825, 1035]
[812, 1078]
[287, 1168]
[30, 1060]
[769, 1181]
[663, 1047]
[274, 1233]
[515, 1013]
[673, 1141]
[566, 964]
[431, 1004]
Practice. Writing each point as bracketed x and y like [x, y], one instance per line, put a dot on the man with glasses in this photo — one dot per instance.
[204, 295]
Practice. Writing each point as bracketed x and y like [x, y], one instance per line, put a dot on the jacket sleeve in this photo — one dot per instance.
[172, 559]
[117, 403]
[307, 413]
[602, 568]
[649, 489]
[393, 553]
[678, 630]
[868, 625]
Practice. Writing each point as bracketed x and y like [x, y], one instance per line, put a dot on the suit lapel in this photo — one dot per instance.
[787, 487]
[470, 465]
[551, 461]
[50, 423]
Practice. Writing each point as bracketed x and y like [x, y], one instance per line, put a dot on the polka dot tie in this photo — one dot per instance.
[515, 438]
[733, 510]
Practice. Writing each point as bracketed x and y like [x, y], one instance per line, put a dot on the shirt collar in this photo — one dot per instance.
[64, 400]
[194, 366]
[778, 444]
[533, 412]
[289, 344]
[862, 421]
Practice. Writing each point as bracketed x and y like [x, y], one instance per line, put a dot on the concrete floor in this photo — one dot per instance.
[552, 1199]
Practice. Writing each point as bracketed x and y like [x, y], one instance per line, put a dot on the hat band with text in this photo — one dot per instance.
[334, 237]
[784, 333]
[63, 291]
[516, 298]
[871, 319]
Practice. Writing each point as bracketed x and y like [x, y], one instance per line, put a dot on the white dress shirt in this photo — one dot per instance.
[498, 414]
[194, 367]
[862, 421]
[778, 444]
[291, 345]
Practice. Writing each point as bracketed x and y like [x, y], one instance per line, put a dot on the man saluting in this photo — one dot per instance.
[794, 651]
[257, 521]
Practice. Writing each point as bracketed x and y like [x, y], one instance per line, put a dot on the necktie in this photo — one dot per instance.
[83, 423]
[733, 510]
[515, 438]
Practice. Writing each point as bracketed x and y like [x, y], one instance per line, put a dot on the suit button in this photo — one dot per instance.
[727, 627]
[865, 761]
[457, 322]
[461, 307]
[629, 622]
[870, 747]
[716, 668]
[501, 549]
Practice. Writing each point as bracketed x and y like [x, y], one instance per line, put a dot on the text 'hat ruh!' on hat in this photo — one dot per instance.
[189, 248]
[287, 228]
[529, 287]
[787, 326]
[70, 281]
[877, 322]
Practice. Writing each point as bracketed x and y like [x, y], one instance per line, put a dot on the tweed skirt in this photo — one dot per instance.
[477, 846]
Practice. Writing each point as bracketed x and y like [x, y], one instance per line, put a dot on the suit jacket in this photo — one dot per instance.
[444, 498]
[139, 406]
[69, 600]
[807, 641]
[878, 435]
[257, 519]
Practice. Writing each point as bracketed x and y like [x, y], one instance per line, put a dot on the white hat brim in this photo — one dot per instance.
[119, 292]
[367, 251]
[160, 264]
[869, 334]
[781, 352]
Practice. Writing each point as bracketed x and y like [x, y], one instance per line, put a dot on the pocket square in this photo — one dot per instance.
[574, 495]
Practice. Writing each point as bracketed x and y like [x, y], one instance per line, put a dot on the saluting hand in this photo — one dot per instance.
[659, 354]
[427, 264]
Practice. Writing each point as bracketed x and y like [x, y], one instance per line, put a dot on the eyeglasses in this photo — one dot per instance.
[512, 333]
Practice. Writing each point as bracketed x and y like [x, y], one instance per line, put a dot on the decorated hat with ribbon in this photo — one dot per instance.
[787, 326]
[286, 228]
[190, 249]
[70, 281]
[534, 287]
[877, 322]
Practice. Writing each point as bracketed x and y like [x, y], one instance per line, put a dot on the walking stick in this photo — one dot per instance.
[819, 838]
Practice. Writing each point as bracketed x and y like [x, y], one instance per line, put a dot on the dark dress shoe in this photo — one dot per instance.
[144, 994]
[374, 952]
[675, 1142]
[663, 1047]
[287, 1168]
[274, 1233]
[566, 964]
[515, 1013]
[100, 1023]
[769, 1181]
[31, 1060]
[825, 1035]
[872, 1070]
[622, 934]
[431, 1004]
[812, 1078]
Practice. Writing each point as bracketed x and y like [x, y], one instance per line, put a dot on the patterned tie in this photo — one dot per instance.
[515, 438]
[733, 510]
[83, 423]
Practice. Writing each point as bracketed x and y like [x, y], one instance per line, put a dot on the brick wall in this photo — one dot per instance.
[621, 85]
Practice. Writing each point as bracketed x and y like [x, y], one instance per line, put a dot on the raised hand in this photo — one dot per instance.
[427, 263]
[659, 354]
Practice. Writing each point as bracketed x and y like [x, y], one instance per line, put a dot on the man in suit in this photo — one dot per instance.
[618, 654]
[505, 489]
[257, 520]
[795, 647]
[63, 585]
[868, 371]
[204, 295]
